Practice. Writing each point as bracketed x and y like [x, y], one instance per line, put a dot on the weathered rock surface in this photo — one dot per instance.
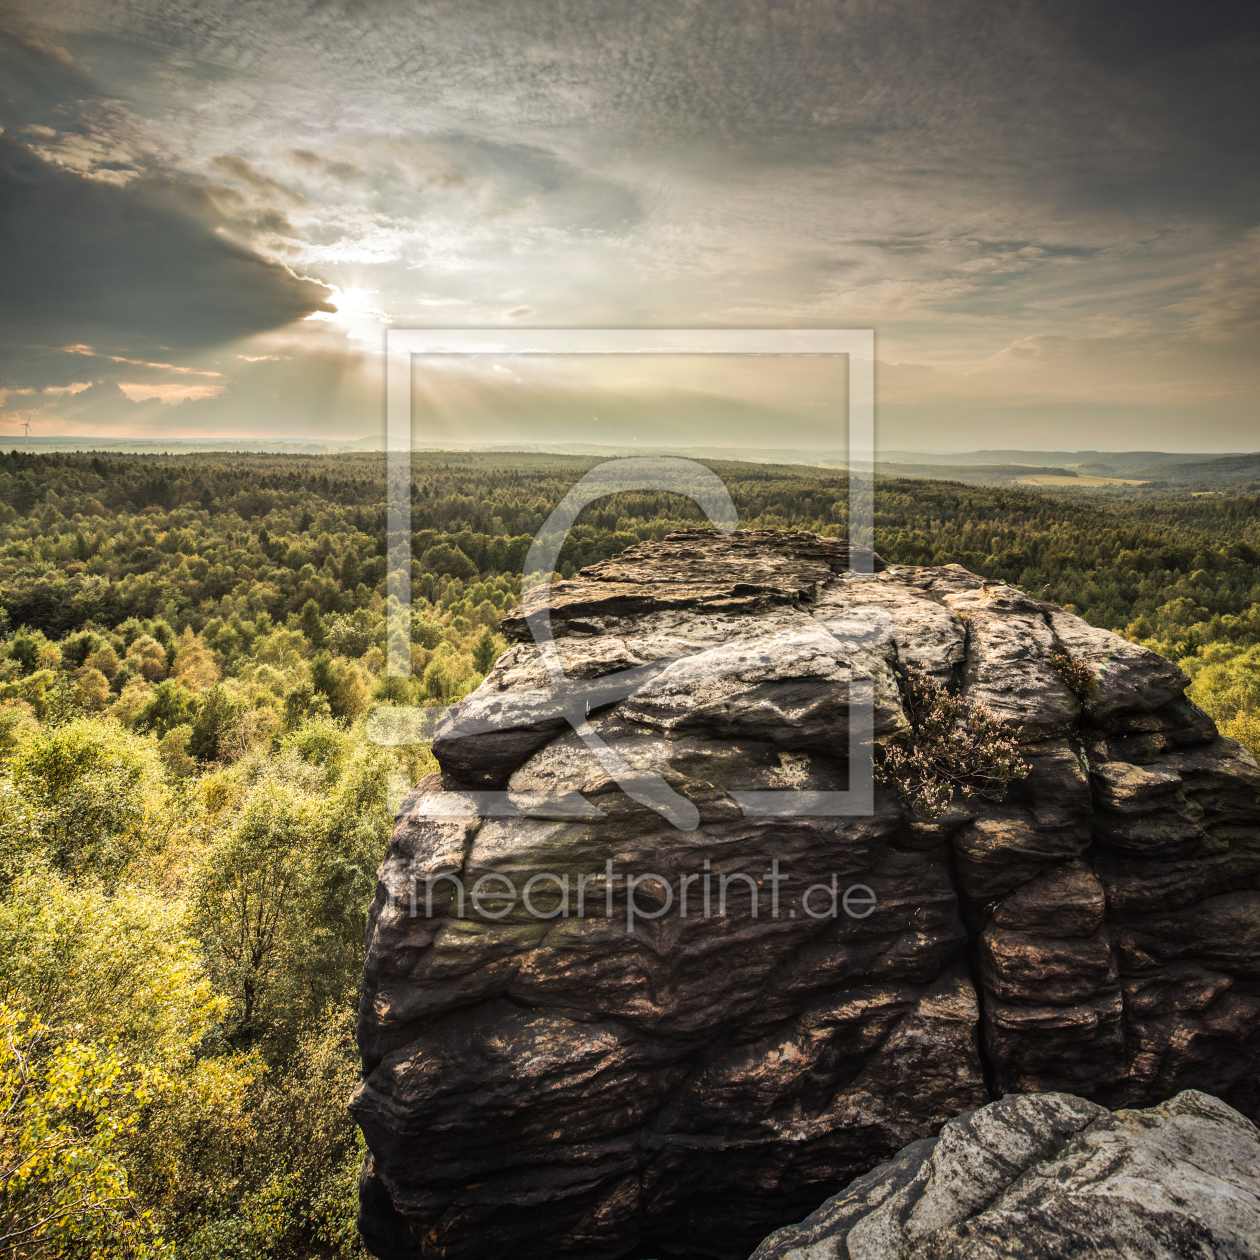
[1050, 1176]
[571, 1085]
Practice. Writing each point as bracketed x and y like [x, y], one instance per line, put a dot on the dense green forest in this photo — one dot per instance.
[192, 817]
[106, 538]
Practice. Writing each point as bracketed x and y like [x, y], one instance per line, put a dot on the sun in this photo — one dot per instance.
[355, 312]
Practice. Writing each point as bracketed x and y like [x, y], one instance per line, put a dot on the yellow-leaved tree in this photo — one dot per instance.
[66, 1112]
[1226, 685]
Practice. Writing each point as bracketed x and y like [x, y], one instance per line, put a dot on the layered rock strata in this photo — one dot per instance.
[549, 1076]
[1051, 1175]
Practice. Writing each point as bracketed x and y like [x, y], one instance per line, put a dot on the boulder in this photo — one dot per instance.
[1051, 1175]
[589, 1031]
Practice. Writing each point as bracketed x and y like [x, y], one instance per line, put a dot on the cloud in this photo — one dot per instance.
[342, 172]
[1137, 389]
[297, 382]
[243, 172]
[1038, 205]
[130, 270]
[1229, 302]
[102, 408]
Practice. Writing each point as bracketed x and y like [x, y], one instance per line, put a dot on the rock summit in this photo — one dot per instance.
[587, 1031]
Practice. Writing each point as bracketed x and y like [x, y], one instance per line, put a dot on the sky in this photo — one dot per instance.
[210, 211]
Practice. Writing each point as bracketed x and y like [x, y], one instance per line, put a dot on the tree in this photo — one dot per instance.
[94, 791]
[349, 636]
[92, 692]
[311, 623]
[24, 648]
[64, 1118]
[148, 657]
[104, 659]
[25, 494]
[280, 900]
[436, 683]
[113, 984]
[321, 742]
[425, 631]
[105, 965]
[16, 724]
[244, 904]
[443, 558]
[1226, 680]
[169, 705]
[303, 702]
[342, 683]
[352, 694]
[324, 675]
[194, 664]
[486, 650]
[131, 701]
[32, 690]
[173, 749]
[1244, 726]
[216, 716]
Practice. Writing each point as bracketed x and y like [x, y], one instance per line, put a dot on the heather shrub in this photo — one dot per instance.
[1076, 675]
[955, 746]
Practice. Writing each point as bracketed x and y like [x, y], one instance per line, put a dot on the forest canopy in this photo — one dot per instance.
[191, 814]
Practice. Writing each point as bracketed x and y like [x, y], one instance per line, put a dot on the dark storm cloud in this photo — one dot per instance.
[104, 249]
[37, 76]
[135, 270]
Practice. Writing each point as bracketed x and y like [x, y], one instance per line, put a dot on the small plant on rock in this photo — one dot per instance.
[1076, 675]
[955, 745]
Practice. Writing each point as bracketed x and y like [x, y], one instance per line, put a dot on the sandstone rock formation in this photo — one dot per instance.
[571, 1085]
[1051, 1175]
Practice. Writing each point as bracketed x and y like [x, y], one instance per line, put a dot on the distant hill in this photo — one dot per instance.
[187, 446]
[987, 467]
[971, 474]
[1096, 463]
[1220, 471]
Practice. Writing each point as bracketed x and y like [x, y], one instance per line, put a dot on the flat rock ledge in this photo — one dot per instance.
[1050, 1177]
[575, 1085]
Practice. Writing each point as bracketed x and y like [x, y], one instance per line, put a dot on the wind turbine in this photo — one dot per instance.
[26, 424]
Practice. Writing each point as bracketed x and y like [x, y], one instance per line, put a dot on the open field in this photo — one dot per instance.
[1051, 479]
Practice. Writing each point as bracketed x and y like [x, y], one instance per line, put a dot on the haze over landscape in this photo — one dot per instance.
[1047, 213]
